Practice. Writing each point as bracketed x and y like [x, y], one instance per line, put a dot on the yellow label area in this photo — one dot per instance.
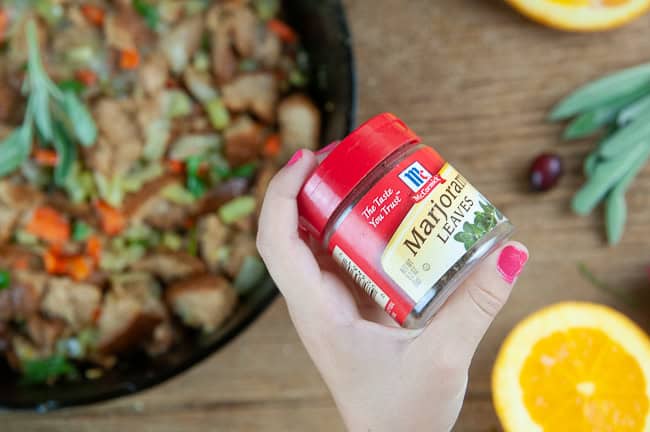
[436, 233]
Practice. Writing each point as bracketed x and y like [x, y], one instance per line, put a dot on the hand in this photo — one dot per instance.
[383, 378]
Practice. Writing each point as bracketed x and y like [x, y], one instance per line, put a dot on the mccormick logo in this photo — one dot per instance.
[415, 176]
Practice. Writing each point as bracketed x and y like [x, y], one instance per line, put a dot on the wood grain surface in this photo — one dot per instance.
[475, 80]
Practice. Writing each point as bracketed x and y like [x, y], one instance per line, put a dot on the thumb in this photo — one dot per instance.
[470, 310]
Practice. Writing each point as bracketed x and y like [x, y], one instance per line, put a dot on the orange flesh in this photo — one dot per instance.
[582, 380]
[593, 3]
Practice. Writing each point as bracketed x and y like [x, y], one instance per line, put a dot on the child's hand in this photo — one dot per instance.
[383, 378]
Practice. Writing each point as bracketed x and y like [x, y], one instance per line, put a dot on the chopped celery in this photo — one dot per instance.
[81, 231]
[110, 190]
[193, 7]
[70, 348]
[80, 185]
[193, 242]
[267, 9]
[201, 61]
[250, 274]
[5, 279]
[81, 55]
[177, 103]
[24, 238]
[118, 261]
[237, 209]
[157, 135]
[297, 78]
[141, 234]
[194, 145]
[200, 85]
[177, 194]
[50, 11]
[172, 241]
[248, 65]
[134, 181]
[218, 114]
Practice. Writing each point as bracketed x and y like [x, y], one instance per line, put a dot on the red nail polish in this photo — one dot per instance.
[328, 148]
[511, 263]
[295, 158]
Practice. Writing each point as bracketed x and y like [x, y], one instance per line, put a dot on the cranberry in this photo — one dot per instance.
[545, 172]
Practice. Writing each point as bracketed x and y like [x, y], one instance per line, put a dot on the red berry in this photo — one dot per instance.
[545, 172]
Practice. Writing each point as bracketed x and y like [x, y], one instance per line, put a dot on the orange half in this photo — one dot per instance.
[582, 15]
[575, 367]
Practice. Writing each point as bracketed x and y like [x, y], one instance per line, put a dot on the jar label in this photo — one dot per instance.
[449, 216]
[360, 277]
[409, 229]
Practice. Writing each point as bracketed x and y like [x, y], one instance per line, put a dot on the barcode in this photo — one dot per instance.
[360, 277]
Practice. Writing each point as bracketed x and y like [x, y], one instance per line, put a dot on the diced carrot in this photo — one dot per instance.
[4, 24]
[97, 313]
[284, 32]
[175, 167]
[94, 248]
[189, 223]
[46, 157]
[49, 225]
[78, 267]
[21, 263]
[129, 59]
[94, 14]
[87, 76]
[272, 146]
[113, 222]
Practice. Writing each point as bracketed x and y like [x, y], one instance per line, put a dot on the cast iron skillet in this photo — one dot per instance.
[324, 32]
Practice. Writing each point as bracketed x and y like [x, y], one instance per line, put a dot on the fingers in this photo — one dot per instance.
[311, 294]
[470, 310]
[278, 239]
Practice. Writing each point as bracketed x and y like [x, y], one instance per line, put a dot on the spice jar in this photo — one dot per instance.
[399, 219]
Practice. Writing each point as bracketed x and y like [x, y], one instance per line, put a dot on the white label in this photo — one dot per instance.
[360, 277]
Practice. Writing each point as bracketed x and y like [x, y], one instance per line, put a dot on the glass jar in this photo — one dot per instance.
[399, 219]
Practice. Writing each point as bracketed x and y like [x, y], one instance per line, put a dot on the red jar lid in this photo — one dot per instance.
[342, 170]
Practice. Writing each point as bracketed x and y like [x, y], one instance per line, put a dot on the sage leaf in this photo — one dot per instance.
[82, 122]
[615, 206]
[604, 91]
[13, 151]
[633, 111]
[590, 163]
[40, 110]
[588, 123]
[591, 121]
[67, 154]
[625, 138]
[615, 217]
[606, 175]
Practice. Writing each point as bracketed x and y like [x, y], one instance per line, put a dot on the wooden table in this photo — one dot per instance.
[475, 80]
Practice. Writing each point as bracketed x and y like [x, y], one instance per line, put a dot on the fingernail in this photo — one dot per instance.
[329, 147]
[511, 263]
[295, 158]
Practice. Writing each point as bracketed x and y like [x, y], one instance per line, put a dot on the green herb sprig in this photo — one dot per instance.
[48, 370]
[618, 104]
[484, 222]
[56, 116]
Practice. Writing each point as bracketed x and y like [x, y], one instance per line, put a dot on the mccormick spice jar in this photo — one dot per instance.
[399, 219]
